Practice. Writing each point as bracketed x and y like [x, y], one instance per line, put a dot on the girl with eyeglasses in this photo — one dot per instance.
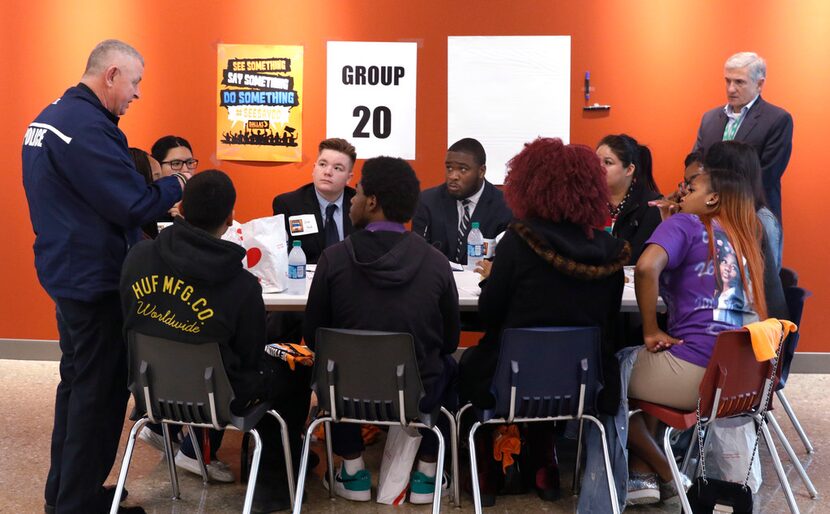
[174, 153]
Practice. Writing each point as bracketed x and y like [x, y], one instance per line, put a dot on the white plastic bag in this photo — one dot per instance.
[729, 449]
[266, 248]
[398, 456]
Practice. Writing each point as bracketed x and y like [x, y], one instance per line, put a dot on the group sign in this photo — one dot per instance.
[370, 96]
[260, 114]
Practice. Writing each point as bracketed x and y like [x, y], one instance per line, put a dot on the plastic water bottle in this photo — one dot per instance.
[475, 247]
[296, 269]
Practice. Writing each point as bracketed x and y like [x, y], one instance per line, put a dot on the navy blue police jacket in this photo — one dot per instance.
[86, 199]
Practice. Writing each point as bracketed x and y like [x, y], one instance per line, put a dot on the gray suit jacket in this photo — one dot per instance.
[767, 128]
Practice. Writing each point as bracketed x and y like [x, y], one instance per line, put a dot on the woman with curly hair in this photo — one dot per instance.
[555, 266]
[709, 250]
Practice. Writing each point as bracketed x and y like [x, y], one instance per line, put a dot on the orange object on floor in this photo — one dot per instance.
[507, 444]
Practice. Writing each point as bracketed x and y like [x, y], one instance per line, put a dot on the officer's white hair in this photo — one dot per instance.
[102, 55]
[756, 64]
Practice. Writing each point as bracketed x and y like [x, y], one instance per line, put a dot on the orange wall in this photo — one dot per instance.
[658, 63]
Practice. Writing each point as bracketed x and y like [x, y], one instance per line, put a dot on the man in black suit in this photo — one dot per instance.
[445, 213]
[747, 117]
[318, 213]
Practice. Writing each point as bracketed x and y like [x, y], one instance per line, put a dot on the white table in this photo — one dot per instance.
[468, 291]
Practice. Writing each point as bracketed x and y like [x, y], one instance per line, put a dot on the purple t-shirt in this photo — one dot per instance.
[703, 297]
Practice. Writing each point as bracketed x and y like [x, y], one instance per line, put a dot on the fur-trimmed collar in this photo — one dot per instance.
[567, 265]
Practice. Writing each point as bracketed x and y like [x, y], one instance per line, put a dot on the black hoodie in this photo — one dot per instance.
[390, 282]
[549, 274]
[190, 286]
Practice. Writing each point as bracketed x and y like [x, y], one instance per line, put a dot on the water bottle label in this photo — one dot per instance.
[296, 271]
[475, 250]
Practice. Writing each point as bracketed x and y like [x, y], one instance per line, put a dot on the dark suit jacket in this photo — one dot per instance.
[769, 129]
[436, 218]
[304, 201]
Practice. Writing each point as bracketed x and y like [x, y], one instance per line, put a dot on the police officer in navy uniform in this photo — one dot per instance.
[87, 204]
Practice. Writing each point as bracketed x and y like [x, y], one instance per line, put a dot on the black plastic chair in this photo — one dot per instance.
[789, 278]
[186, 384]
[795, 297]
[363, 376]
[545, 374]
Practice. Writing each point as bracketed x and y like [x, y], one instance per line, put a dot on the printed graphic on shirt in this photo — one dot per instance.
[730, 301]
[192, 311]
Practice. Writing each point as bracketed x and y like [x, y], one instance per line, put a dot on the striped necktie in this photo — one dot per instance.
[463, 229]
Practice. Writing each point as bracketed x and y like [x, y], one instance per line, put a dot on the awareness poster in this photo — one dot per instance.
[260, 114]
[370, 96]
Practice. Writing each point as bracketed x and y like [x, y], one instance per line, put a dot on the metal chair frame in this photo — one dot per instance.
[192, 415]
[329, 414]
[745, 405]
[511, 417]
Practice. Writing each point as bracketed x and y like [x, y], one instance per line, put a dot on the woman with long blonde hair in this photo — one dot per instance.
[717, 223]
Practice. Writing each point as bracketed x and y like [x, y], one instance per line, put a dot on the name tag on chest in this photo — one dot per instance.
[302, 225]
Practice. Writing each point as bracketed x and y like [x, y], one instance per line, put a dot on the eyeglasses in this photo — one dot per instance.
[177, 164]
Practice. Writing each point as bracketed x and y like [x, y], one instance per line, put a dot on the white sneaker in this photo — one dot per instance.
[217, 470]
[153, 439]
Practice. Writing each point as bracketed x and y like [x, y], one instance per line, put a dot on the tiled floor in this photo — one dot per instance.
[26, 405]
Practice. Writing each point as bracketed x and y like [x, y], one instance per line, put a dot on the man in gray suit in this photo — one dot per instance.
[747, 117]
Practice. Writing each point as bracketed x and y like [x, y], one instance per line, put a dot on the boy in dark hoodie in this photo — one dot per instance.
[389, 266]
[189, 285]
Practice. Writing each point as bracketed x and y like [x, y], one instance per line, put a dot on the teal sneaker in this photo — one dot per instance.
[422, 488]
[357, 487]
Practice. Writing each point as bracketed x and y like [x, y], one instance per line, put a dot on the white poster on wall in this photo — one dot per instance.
[370, 96]
[506, 91]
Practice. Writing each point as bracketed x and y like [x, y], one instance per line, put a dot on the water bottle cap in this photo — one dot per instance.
[475, 224]
[297, 244]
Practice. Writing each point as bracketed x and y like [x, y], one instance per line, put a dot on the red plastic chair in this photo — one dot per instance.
[734, 385]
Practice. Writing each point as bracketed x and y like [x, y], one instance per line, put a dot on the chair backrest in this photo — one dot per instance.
[795, 297]
[740, 377]
[789, 278]
[368, 375]
[181, 382]
[547, 371]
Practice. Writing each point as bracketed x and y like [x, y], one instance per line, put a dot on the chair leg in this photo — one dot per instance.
[791, 453]
[456, 492]
[609, 473]
[298, 496]
[439, 471]
[329, 457]
[197, 449]
[675, 471]
[249, 491]
[578, 463]
[687, 457]
[474, 467]
[779, 469]
[171, 464]
[289, 462]
[794, 419]
[125, 464]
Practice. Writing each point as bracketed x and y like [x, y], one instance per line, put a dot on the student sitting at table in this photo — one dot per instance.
[232, 314]
[555, 266]
[388, 266]
[716, 224]
[631, 186]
